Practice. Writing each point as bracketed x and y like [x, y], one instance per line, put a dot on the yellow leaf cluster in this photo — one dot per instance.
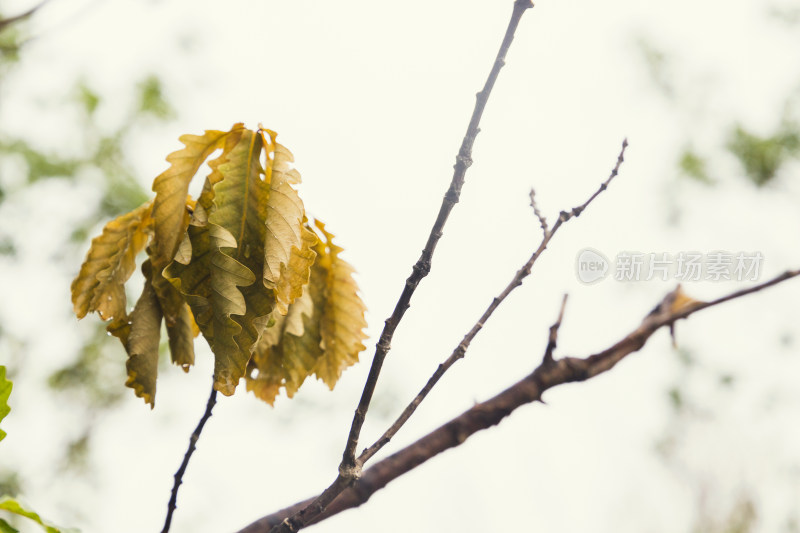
[320, 334]
[242, 265]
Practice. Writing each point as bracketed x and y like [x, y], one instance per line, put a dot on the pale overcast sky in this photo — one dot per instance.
[373, 99]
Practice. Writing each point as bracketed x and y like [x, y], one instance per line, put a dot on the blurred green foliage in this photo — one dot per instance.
[11, 37]
[15, 510]
[9, 480]
[694, 166]
[741, 519]
[658, 67]
[104, 152]
[38, 165]
[94, 377]
[93, 381]
[152, 101]
[10, 484]
[676, 398]
[87, 97]
[761, 158]
[5, 392]
[786, 14]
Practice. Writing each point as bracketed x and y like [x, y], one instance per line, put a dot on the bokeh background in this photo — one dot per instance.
[373, 99]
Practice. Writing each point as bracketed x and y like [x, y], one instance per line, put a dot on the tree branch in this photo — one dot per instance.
[350, 469]
[173, 500]
[539, 215]
[552, 340]
[515, 282]
[22, 16]
[423, 265]
[484, 415]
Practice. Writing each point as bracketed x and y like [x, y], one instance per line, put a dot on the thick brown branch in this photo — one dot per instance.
[173, 500]
[491, 412]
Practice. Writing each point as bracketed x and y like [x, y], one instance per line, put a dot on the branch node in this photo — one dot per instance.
[350, 472]
[461, 350]
[422, 268]
[384, 345]
[579, 368]
[464, 160]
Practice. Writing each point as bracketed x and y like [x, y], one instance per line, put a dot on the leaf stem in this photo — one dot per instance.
[173, 500]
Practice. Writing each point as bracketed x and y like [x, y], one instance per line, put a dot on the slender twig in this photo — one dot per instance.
[173, 500]
[491, 412]
[553, 338]
[16, 18]
[423, 265]
[462, 347]
[539, 215]
[350, 469]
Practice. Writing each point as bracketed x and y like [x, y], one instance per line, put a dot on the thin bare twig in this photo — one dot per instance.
[423, 265]
[539, 215]
[350, 469]
[173, 500]
[461, 349]
[491, 412]
[17, 18]
[553, 339]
